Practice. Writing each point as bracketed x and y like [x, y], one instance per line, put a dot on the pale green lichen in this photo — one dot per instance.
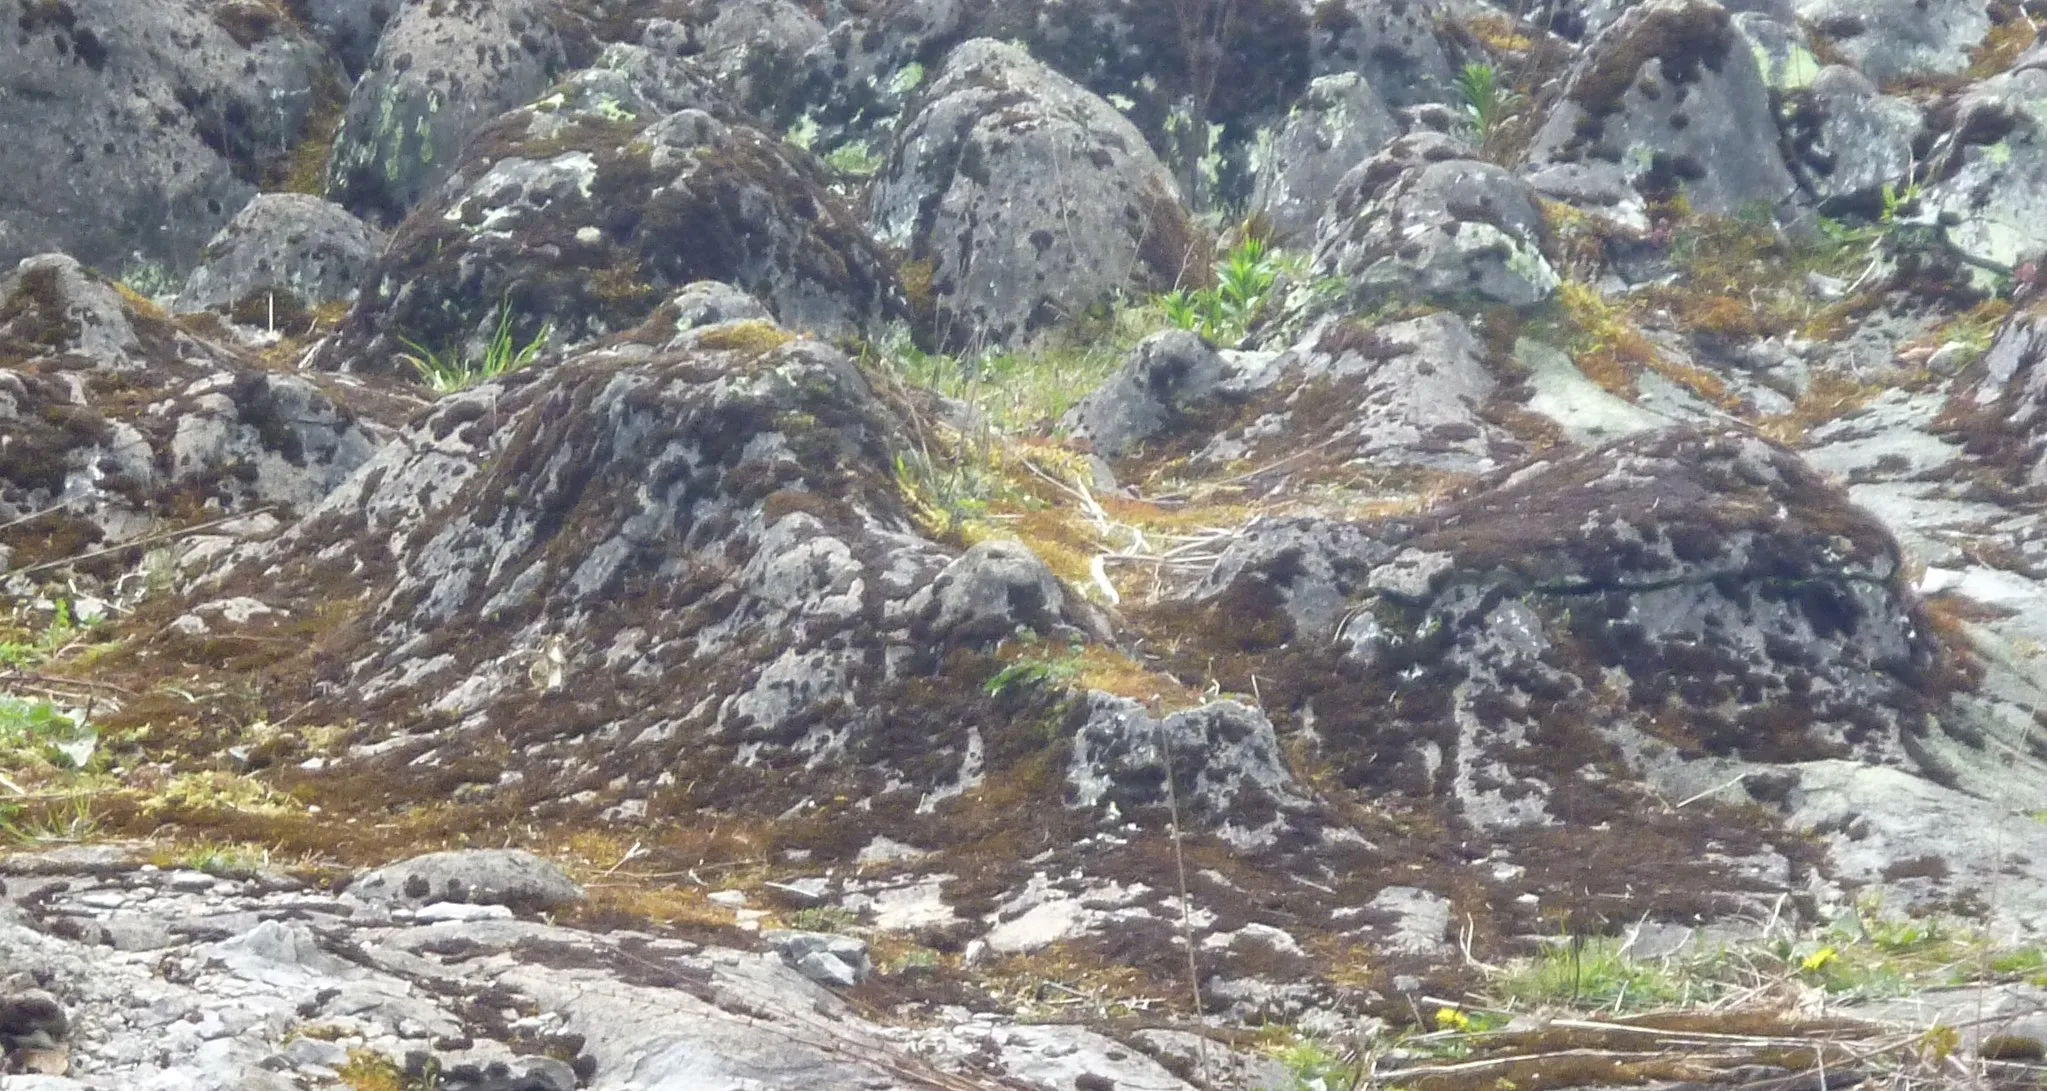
[907, 79]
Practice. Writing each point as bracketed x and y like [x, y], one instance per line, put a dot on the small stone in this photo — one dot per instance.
[730, 899]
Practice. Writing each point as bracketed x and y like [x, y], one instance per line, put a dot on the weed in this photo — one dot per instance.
[824, 918]
[1036, 670]
[1488, 103]
[1589, 972]
[1244, 280]
[61, 738]
[224, 860]
[71, 821]
[446, 373]
[1313, 1066]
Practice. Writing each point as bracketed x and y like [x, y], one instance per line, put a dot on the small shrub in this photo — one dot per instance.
[824, 918]
[1488, 103]
[1244, 280]
[448, 373]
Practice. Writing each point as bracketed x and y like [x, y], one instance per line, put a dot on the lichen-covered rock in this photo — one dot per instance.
[348, 28]
[1026, 200]
[1423, 221]
[134, 129]
[1395, 47]
[1849, 141]
[1409, 395]
[1670, 597]
[1892, 40]
[2002, 417]
[752, 50]
[1992, 171]
[1169, 378]
[1224, 760]
[114, 418]
[678, 568]
[282, 255]
[440, 73]
[582, 215]
[508, 877]
[1338, 123]
[1673, 93]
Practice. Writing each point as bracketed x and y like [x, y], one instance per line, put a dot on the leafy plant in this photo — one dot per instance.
[1587, 971]
[1488, 103]
[1035, 670]
[824, 918]
[56, 736]
[1244, 280]
[855, 160]
[446, 373]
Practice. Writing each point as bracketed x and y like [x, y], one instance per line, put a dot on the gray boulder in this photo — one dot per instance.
[998, 590]
[1168, 378]
[1423, 221]
[507, 877]
[1228, 771]
[580, 215]
[752, 49]
[116, 417]
[1339, 122]
[1991, 170]
[838, 961]
[1395, 47]
[1674, 94]
[2001, 418]
[348, 28]
[1892, 40]
[134, 129]
[1027, 199]
[1408, 394]
[439, 74]
[1848, 140]
[284, 250]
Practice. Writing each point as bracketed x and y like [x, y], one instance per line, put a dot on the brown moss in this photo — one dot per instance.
[1684, 39]
[2011, 34]
[753, 338]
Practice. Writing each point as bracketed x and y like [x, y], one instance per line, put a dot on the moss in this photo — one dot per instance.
[1685, 38]
[753, 338]
[2011, 34]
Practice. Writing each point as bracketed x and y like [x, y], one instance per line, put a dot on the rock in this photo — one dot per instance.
[1893, 40]
[2001, 419]
[1223, 757]
[136, 128]
[998, 590]
[124, 417]
[1191, 1054]
[31, 1019]
[631, 209]
[1022, 201]
[505, 877]
[348, 28]
[1423, 221]
[834, 960]
[281, 256]
[1849, 141]
[1169, 377]
[1674, 550]
[1992, 168]
[1672, 93]
[1421, 920]
[712, 303]
[1339, 122]
[752, 49]
[1408, 394]
[1395, 47]
[439, 74]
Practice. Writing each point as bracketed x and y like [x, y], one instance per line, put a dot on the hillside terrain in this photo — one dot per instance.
[1063, 544]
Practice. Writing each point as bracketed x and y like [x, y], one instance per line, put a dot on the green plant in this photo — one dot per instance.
[446, 373]
[1588, 971]
[1035, 670]
[73, 820]
[824, 918]
[1487, 102]
[57, 635]
[1313, 1066]
[1244, 280]
[855, 160]
[1898, 203]
[39, 727]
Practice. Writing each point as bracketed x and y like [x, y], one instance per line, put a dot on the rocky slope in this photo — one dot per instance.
[1013, 544]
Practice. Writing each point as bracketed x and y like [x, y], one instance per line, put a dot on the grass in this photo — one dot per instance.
[1588, 972]
[447, 373]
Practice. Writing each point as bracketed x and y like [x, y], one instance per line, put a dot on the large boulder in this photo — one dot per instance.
[1992, 171]
[1848, 141]
[1339, 122]
[677, 568]
[115, 418]
[1025, 201]
[2001, 418]
[1513, 659]
[1673, 93]
[1893, 40]
[1423, 221]
[1167, 381]
[348, 28]
[283, 254]
[1397, 48]
[752, 50]
[582, 214]
[135, 129]
[440, 73]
